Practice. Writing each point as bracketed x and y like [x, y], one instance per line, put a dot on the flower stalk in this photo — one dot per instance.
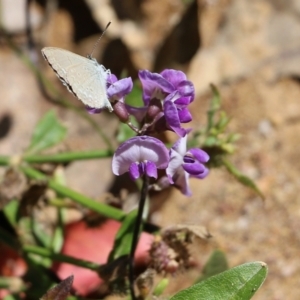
[137, 230]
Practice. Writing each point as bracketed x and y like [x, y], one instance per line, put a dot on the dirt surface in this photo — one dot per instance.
[251, 51]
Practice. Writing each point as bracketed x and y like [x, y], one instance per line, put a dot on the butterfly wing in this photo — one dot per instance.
[84, 77]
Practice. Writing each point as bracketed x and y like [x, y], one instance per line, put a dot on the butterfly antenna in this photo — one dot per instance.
[97, 42]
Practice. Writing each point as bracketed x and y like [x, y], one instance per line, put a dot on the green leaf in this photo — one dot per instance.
[123, 239]
[58, 234]
[47, 133]
[245, 180]
[214, 107]
[161, 286]
[216, 264]
[222, 122]
[11, 211]
[239, 283]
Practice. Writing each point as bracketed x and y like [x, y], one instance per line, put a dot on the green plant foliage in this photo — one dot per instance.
[161, 286]
[123, 238]
[245, 180]
[47, 133]
[216, 264]
[218, 143]
[239, 283]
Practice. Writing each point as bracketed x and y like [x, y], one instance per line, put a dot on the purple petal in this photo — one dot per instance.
[111, 79]
[151, 169]
[140, 149]
[154, 86]
[138, 112]
[181, 180]
[176, 160]
[203, 174]
[186, 88]
[134, 171]
[183, 101]
[173, 76]
[184, 115]
[194, 168]
[120, 88]
[92, 110]
[199, 154]
[172, 118]
[174, 97]
[180, 146]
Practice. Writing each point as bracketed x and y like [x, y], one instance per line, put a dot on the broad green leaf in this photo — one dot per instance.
[47, 133]
[245, 180]
[216, 264]
[239, 283]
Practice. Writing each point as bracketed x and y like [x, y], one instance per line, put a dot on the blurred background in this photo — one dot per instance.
[249, 49]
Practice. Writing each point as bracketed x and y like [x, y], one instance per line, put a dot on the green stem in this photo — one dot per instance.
[103, 209]
[4, 160]
[67, 157]
[30, 249]
[136, 232]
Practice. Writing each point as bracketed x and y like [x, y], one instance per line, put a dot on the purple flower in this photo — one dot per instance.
[116, 91]
[175, 92]
[184, 164]
[140, 155]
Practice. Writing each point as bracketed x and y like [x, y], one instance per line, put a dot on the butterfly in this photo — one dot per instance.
[83, 76]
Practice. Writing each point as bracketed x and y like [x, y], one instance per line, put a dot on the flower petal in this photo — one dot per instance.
[173, 76]
[140, 149]
[199, 154]
[175, 162]
[182, 101]
[111, 79]
[134, 171]
[151, 169]
[203, 174]
[154, 86]
[184, 115]
[138, 112]
[92, 110]
[180, 146]
[120, 88]
[195, 168]
[182, 182]
[172, 118]
[186, 88]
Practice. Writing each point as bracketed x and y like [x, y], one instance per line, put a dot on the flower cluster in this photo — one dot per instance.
[166, 97]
